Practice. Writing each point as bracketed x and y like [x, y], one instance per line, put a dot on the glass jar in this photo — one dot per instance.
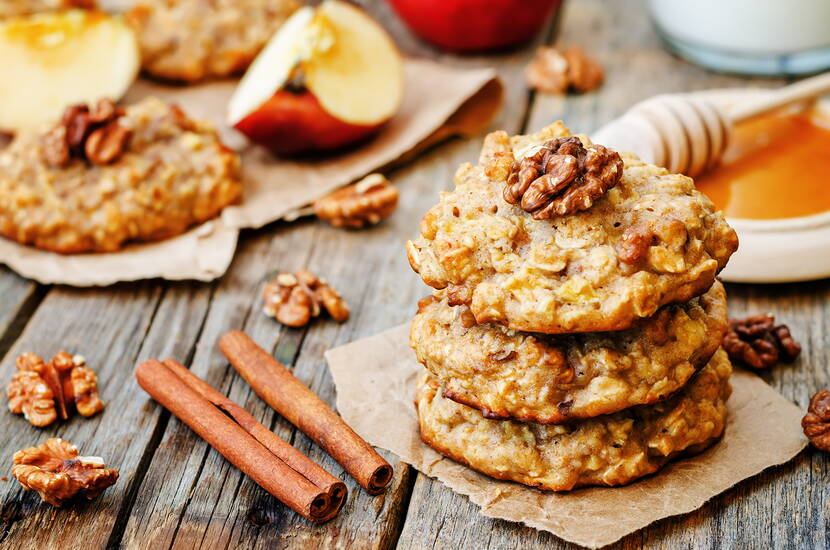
[767, 37]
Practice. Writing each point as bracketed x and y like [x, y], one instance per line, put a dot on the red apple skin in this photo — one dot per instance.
[292, 123]
[475, 25]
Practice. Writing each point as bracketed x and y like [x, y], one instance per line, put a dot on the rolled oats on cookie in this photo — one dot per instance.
[553, 379]
[103, 177]
[649, 240]
[608, 450]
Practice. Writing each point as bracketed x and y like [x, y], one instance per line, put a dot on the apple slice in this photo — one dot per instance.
[52, 60]
[329, 77]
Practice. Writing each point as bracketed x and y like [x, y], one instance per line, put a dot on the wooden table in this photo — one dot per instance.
[175, 492]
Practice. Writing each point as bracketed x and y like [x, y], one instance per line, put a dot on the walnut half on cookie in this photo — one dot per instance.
[57, 473]
[103, 177]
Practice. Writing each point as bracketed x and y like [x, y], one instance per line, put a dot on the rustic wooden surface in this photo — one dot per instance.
[175, 492]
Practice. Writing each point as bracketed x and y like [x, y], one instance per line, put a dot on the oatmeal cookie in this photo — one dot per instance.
[170, 172]
[607, 450]
[191, 40]
[552, 379]
[14, 8]
[650, 240]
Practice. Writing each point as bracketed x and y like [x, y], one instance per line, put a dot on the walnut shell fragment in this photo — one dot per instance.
[295, 298]
[44, 392]
[366, 202]
[57, 473]
[561, 177]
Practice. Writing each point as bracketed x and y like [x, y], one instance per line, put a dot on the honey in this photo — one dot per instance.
[776, 166]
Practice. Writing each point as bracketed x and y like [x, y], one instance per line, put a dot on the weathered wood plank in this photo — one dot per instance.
[107, 327]
[636, 69]
[18, 299]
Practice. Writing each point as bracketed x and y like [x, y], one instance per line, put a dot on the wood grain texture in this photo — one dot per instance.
[176, 492]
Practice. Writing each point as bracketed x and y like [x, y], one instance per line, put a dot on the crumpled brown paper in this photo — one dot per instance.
[375, 379]
[439, 101]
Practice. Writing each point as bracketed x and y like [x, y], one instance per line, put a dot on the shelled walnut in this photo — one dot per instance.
[553, 71]
[44, 392]
[295, 298]
[759, 343]
[816, 423]
[57, 473]
[366, 202]
[561, 177]
[94, 135]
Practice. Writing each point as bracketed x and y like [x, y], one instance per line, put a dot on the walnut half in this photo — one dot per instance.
[759, 343]
[295, 298]
[57, 473]
[366, 202]
[554, 72]
[94, 135]
[816, 423]
[561, 177]
[44, 392]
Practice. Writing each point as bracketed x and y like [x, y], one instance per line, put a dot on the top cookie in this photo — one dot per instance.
[198, 39]
[649, 240]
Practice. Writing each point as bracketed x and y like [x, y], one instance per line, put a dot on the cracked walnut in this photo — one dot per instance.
[44, 392]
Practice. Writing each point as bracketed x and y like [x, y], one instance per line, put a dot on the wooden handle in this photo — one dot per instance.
[808, 88]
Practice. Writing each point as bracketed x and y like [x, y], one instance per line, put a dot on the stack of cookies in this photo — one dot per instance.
[574, 336]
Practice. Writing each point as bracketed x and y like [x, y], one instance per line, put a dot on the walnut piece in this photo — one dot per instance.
[93, 135]
[44, 392]
[366, 202]
[816, 423]
[759, 343]
[634, 244]
[554, 72]
[295, 298]
[561, 177]
[57, 473]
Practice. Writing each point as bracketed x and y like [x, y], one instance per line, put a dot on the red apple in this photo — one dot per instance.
[51, 60]
[471, 25]
[329, 77]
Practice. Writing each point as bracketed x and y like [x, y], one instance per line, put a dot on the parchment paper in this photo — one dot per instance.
[375, 379]
[203, 254]
[439, 101]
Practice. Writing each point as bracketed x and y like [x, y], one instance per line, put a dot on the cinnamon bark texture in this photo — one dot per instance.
[299, 462]
[300, 406]
[187, 400]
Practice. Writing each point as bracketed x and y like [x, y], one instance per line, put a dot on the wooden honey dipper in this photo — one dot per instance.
[688, 133]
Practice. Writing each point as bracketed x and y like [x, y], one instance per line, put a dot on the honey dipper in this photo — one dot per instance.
[688, 133]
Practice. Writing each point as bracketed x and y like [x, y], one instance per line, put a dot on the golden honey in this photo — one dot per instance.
[776, 166]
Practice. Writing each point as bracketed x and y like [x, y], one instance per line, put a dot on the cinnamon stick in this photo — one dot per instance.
[299, 462]
[234, 443]
[300, 406]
